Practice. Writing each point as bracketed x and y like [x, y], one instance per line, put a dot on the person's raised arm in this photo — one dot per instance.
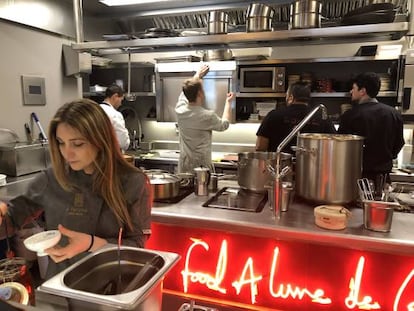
[202, 71]
[227, 107]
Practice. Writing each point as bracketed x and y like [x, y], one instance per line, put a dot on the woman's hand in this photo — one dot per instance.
[78, 242]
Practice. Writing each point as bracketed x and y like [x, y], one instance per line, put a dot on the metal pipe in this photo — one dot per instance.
[78, 14]
[278, 175]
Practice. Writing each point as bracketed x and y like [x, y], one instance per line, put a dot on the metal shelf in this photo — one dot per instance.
[358, 33]
[244, 95]
[138, 94]
[313, 94]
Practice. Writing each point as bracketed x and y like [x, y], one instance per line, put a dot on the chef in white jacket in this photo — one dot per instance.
[114, 95]
[196, 123]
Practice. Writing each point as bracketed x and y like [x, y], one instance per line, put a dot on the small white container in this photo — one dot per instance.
[333, 217]
[42, 240]
[3, 180]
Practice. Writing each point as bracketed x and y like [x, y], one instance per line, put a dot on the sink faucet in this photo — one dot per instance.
[277, 174]
[134, 140]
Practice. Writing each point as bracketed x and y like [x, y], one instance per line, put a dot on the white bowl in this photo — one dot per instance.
[41, 241]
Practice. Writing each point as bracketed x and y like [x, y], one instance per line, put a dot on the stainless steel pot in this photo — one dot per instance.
[259, 17]
[252, 172]
[220, 54]
[164, 185]
[305, 14]
[217, 22]
[258, 23]
[327, 167]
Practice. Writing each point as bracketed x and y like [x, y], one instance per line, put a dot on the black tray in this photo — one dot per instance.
[235, 198]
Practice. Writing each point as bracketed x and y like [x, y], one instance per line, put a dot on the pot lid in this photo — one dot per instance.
[162, 178]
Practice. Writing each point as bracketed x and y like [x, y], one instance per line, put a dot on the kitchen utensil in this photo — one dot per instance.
[213, 184]
[146, 272]
[42, 132]
[42, 240]
[187, 180]
[202, 179]
[333, 217]
[17, 292]
[219, 54]
[252, 170]
[259, 17]
[217, 22]
[158, 33]
[365, 189]
[164, 185]
[371, 14]
[132, 123]
[378, 215]
[286, 195]
[18, 159]
[334, 173]
[119, 284]
[81, 284]
[129, 97]
[305, 14]
[28, 132]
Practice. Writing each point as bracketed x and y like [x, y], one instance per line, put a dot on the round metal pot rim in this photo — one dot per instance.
[336, 137]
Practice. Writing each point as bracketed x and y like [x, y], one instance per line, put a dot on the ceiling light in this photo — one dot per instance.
[128, 2]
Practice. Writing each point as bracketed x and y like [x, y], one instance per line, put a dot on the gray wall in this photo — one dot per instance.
[25, 51]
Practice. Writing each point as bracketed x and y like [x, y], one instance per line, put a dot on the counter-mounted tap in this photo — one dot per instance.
[278, 176]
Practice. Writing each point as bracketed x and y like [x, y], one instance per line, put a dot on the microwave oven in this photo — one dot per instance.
[262, 79]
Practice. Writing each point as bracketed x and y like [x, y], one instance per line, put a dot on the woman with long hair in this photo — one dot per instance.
[89, 193]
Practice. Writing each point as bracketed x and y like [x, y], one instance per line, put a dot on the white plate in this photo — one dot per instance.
[41, 241]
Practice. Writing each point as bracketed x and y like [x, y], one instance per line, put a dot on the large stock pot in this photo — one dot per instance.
[328, 166]
[252, 172]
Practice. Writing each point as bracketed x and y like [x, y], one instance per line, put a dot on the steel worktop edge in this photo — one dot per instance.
[295, 224]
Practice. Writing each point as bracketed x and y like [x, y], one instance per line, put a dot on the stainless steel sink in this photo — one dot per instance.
[93, 283]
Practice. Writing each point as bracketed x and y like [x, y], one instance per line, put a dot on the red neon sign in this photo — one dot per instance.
[284, 275]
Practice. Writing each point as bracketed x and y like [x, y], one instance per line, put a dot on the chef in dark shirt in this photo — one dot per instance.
[278, 123]
[381, 126]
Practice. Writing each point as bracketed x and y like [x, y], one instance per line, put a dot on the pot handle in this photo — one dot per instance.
[242, 162]
[185, 182]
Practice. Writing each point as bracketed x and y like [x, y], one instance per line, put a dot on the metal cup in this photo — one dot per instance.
[213, 184]
[286, 196]
[202, 179]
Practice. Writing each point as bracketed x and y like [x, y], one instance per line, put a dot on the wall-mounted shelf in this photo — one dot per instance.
[342, 34]
[313, 94]
[137, 94]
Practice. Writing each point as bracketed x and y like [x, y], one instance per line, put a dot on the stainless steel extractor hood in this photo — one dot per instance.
[193, 15]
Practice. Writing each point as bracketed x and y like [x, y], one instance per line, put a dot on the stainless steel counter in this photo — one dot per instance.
[295, 224]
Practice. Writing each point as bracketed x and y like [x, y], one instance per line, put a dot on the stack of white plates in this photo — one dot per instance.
[293, 79]
[385, 82]
[263, 108]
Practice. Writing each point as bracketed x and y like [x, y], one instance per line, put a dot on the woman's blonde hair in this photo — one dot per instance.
[93, 124]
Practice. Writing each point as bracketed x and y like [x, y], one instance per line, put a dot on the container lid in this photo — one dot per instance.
[333, 217]
[335, 211]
